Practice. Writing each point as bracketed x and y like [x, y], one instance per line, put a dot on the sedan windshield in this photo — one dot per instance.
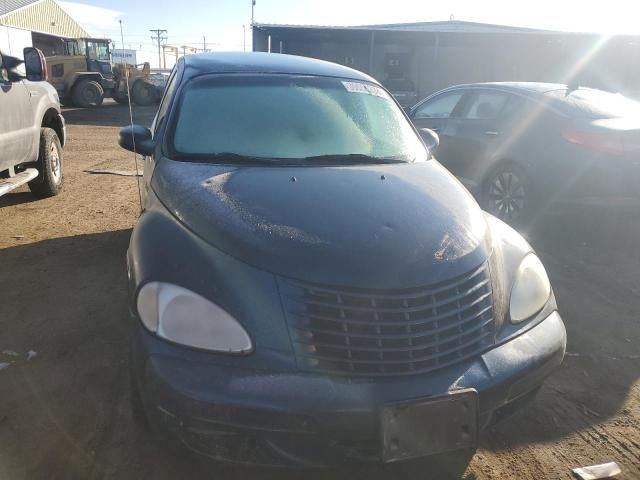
[292, 119]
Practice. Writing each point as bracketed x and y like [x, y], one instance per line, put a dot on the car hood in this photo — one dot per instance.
[373, 226]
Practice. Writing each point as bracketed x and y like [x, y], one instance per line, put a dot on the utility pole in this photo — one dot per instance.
[253, 7]
[204, 43]
[159, 37]
[244, 38]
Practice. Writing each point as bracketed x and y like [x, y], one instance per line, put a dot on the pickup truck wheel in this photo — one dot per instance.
[143, 93]
[50, 181]
[88, 93]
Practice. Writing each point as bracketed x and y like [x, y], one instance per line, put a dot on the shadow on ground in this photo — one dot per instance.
[17, 198]
[64, 414]
[595, 271]
[109, 114]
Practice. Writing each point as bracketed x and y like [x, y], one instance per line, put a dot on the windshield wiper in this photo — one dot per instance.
[238, 159]
[228, 157]
[350, 159]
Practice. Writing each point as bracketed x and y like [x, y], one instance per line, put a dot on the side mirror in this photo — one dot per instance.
[35, 64]
[430, 139]
[136, 138]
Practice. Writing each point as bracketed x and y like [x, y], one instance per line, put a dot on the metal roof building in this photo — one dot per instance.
[42, 23]
[435, 55]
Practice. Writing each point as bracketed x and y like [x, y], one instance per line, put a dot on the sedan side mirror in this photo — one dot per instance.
[430, 139]
[136, 138]
[35, 64]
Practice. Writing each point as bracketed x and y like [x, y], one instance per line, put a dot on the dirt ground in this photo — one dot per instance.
[64, 413]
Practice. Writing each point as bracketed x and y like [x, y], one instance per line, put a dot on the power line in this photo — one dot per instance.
[159, 37]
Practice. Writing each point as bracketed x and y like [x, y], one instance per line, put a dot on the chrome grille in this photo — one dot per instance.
[390, 332]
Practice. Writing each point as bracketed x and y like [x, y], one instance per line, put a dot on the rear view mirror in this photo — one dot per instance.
[35, 64]
[430, 138]
[136, 138]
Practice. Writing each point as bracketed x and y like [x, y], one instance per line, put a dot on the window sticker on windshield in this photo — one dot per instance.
[357, 87]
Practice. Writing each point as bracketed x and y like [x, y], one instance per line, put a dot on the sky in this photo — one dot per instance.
[221, 22]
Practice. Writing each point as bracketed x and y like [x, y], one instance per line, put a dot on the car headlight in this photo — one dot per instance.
[531, 289]
[181, 316]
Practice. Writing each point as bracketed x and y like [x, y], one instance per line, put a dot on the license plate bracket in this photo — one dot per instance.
[430, 426]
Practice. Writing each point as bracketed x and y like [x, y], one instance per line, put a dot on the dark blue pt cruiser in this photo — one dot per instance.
[309, 286]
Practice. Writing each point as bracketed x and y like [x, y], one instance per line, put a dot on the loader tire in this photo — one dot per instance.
[122, 99]
[144, 93]
[88, 93]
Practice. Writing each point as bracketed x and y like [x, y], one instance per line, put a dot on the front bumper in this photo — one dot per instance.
[258, 417]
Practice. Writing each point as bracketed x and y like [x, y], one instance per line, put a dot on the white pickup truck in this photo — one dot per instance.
[32, 129]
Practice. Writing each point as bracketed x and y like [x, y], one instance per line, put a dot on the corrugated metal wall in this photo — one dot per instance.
[439, 60]
[45, 16]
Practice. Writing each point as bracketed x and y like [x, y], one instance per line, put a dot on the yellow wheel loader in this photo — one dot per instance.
[84, 75]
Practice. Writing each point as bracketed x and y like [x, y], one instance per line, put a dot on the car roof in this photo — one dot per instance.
[519, 87]
[258, 62]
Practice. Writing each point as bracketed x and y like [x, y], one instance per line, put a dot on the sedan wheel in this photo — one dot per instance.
[507, 195]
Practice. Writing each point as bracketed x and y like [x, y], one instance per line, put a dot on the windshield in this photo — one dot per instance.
[292, 118]
[98, 51]
[592, 103]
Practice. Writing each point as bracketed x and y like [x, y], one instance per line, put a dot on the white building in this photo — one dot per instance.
[39, 23]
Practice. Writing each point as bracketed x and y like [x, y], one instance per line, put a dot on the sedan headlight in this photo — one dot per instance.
[184, 317]
[531, 289]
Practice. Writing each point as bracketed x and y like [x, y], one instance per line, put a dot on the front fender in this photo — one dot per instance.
[162, 249]
[45, 105]
[508, 249]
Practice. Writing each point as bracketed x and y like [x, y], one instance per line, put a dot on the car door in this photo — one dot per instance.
[478, 132]
[436, 114]
[15, 122]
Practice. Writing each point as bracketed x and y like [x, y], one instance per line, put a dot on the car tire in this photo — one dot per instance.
[143, 93]
[507, 193]
[88, 93]
[49, 182]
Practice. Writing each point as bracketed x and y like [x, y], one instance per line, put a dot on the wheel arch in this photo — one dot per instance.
[52, 119]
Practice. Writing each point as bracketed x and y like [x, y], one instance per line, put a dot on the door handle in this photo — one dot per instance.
[493, 133]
